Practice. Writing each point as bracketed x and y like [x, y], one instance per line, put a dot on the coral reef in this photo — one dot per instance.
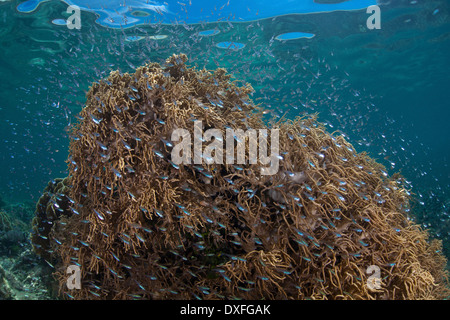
[434, 216]
[141, 226]
[5, 221]
[23, 211]
[12, 233]
[53, 202]
[22, 275]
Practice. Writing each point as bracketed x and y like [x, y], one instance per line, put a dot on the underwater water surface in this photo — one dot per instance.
[385, 89]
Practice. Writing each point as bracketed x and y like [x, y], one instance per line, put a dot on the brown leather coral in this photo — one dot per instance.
[51, 205]
[141, 226]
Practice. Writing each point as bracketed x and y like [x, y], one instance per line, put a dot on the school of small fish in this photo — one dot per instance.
[290, 79]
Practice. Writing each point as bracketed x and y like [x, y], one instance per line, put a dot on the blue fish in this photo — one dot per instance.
[99, 215]
[126, 144]
[96, 120]
[158, 153]
[167, 143]
[159, 213]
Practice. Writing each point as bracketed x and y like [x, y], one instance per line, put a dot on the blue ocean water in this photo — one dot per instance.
[386, 89]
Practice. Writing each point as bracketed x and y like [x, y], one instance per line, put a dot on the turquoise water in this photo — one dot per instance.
[386, 89]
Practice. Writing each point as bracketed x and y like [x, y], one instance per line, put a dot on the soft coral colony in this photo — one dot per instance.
[141, 227]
